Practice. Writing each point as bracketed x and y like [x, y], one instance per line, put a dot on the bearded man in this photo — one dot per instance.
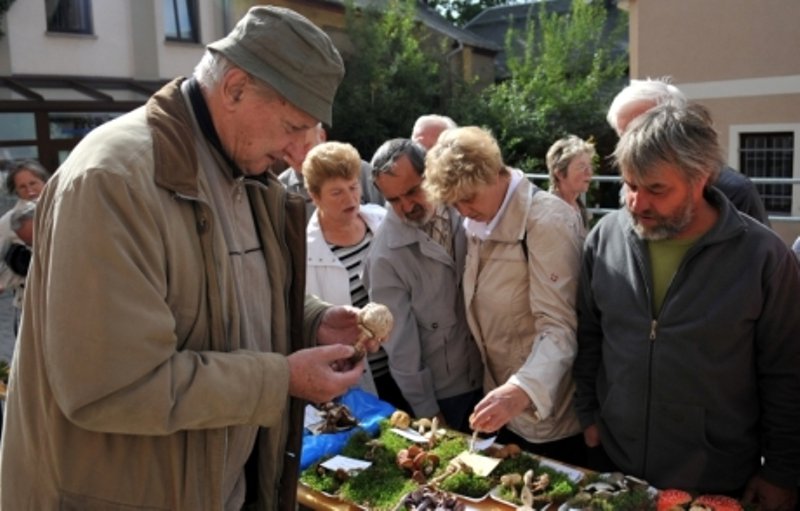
[688, 332]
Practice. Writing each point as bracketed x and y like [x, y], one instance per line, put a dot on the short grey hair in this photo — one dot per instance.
[22, 214]
[656, 91]
[680, 136]
[442, 120]
[392, 150]
[212, 67]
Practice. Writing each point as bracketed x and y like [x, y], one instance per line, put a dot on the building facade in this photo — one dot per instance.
[67, 66]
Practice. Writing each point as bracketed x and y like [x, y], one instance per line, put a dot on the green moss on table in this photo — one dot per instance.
[516, 465]
[469, 485]
[379, 488]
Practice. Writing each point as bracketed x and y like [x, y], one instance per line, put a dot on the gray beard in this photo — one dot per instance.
[668, 227]
[420, 224]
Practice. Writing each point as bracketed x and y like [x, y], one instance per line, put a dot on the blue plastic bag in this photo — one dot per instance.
[367, 408]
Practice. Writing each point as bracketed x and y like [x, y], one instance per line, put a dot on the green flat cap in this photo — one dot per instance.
[286, 50]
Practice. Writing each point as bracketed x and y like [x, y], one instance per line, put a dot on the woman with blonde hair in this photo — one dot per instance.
[520, 282]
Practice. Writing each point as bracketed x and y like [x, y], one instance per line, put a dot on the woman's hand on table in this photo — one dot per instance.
[498, 407]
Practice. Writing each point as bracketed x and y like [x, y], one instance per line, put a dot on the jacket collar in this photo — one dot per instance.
[173, 141]
[172, 126]
[511, 227]
[399, 234]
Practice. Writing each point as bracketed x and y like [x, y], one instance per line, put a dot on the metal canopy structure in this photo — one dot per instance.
[44, 116]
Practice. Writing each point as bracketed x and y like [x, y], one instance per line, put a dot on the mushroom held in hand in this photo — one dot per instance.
[375, 321]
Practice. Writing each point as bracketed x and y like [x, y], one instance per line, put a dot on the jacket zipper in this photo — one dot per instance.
[652, 338]
[654, 334]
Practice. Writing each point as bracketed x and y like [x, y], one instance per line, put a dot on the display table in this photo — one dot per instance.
[309, 499]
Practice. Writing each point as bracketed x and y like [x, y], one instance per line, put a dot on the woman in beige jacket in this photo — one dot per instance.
[520, 283]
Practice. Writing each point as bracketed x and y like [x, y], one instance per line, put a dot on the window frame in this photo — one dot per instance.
[734, 135]
[86, 26]
[194, 23]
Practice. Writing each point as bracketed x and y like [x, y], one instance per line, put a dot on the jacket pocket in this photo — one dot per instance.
[73, 502]
[680, 447]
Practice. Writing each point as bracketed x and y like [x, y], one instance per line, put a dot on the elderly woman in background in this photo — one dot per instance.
[570, 165]
[520, 282]
[26, 180]
[338, 237]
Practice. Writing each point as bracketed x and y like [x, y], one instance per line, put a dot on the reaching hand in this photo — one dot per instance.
[498, 407]
[312, 373]
[339, 325]
[768, 496]
[591, 436]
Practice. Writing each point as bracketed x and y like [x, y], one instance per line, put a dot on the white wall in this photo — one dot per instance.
[111, 51]
[34, 51]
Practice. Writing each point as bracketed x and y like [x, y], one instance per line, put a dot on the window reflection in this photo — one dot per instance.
[180, 20]
[76, 124]
[17, 126]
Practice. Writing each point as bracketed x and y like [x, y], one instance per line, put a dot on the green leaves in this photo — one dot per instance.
[392, 76]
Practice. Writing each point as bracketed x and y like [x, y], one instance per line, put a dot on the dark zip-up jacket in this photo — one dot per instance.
[694, 396]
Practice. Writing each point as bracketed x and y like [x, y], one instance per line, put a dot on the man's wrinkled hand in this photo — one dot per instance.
[768, 496]
[317, 374]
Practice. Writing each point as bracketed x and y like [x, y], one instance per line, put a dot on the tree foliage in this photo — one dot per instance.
[562, 82]
[390, 79]
[564, 75]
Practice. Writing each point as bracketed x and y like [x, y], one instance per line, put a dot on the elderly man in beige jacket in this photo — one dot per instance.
[165, 343]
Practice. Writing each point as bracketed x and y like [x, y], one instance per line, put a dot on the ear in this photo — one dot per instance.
[233, 87]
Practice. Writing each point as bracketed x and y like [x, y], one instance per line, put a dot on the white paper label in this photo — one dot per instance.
[410, 434]
[573, 474]
[480, 464]
[345, 463]
[311, 417]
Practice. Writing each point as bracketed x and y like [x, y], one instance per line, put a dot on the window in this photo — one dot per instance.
[180, 20]
[72, 16]
[76, 124]
[769, 154]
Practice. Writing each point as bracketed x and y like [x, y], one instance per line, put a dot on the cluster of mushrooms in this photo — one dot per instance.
[609, 486]
[426, 498]
[335, 417]
[529, 488]
[419, 462]
[429, 428]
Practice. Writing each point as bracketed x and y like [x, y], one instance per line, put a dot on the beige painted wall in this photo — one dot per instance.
[702, 40]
